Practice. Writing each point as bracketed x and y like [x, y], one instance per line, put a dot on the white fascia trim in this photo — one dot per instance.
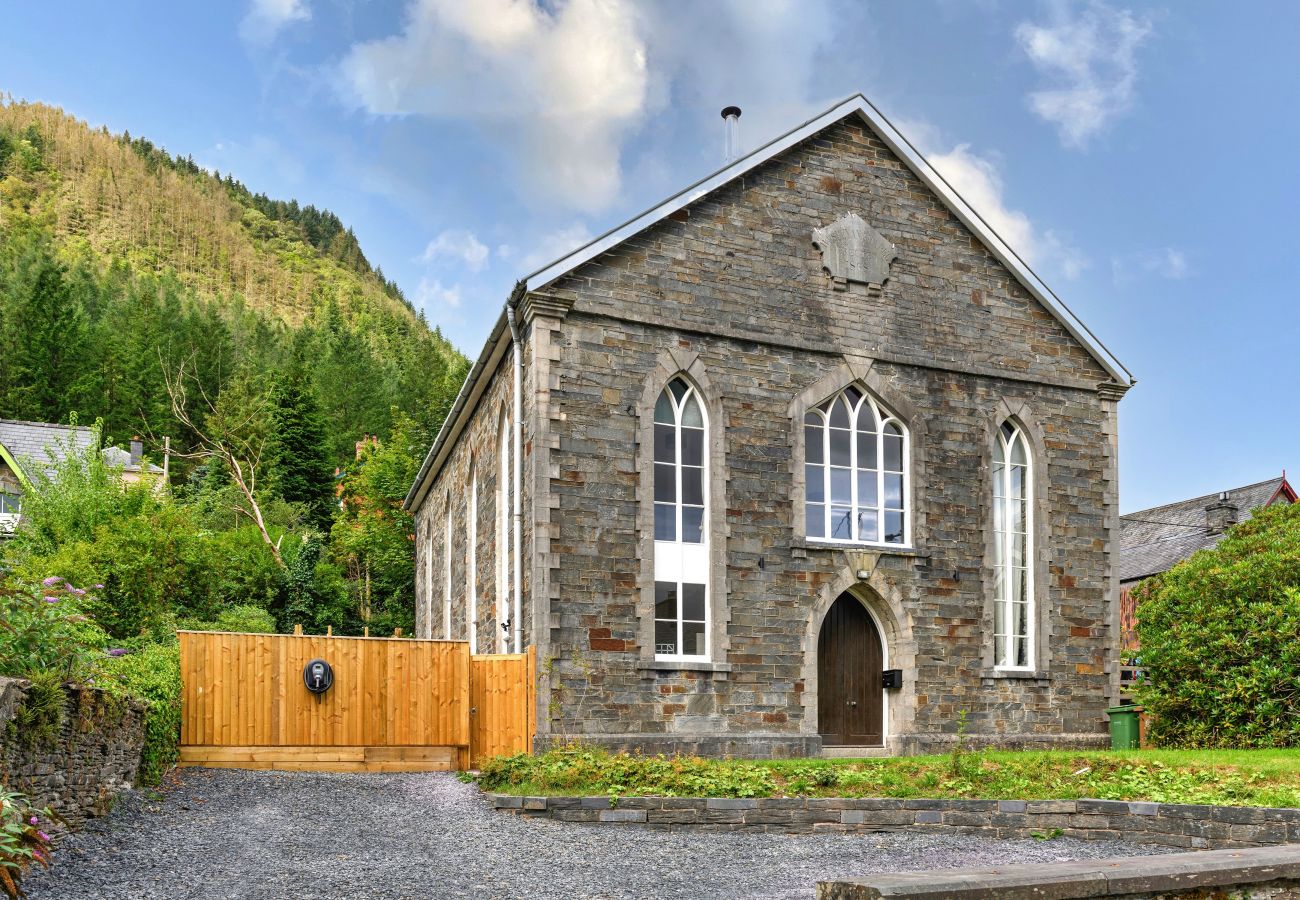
[877, 122]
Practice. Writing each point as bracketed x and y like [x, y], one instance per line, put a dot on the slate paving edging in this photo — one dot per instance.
[1190, 826]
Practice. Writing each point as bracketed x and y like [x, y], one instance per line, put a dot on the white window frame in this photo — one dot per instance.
[471, 563]
[883, 418]
[503, 532]
[680, 562]
[446, 574]
[1004, 545]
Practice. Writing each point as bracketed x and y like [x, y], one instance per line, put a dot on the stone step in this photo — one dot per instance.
[853, 752]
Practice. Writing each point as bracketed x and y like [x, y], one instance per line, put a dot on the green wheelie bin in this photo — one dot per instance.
[1125, 727]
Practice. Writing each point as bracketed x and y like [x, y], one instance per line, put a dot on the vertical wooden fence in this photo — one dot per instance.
[395, 705]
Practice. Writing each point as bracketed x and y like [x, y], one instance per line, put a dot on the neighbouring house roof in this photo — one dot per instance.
[27, 444]
[122, 459]
[858, 106]
[1154, 540]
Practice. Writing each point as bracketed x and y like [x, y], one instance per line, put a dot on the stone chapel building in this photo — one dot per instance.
[803, 458]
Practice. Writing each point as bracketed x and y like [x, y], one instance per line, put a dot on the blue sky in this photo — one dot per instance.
[1141, 156]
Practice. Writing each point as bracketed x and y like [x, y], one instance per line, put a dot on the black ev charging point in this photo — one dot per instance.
[318, 675]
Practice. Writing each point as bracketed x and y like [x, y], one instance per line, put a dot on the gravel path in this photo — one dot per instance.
[227, 833]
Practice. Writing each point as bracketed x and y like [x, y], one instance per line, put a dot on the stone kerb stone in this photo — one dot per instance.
[1194, 827]
[1272, 872]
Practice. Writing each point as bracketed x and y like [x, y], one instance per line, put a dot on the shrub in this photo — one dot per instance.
[38, 721]
[44, 628]
[22, 842]
[1218, 636]
[152, 674]
[242, 617]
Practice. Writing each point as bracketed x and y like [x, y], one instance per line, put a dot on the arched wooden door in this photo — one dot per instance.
[850, 667]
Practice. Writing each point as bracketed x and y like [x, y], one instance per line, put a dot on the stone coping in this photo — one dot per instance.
[1193, 827]
[1208, 873]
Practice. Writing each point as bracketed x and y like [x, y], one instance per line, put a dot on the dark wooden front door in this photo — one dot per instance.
[850, 692]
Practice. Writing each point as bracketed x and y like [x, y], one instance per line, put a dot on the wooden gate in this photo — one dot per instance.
[502, 712]
[396, 704]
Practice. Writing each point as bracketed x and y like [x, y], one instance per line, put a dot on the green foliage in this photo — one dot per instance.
[38, 721]
[373, 534]
[1218, 636]
[1143, 775]
[72, 493]
[624, 775]
[22, 841]
[298, 466]
[44, 628]
[241, 618]
[152, 674]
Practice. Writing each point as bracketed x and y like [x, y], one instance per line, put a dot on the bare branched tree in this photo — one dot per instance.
[236, 439]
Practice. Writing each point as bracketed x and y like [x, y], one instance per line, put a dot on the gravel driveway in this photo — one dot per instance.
[228, 833]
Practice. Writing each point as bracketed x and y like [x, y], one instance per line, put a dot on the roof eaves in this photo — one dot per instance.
[914, 160]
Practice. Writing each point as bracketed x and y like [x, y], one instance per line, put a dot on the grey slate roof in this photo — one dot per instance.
[1153, 540]
[29, 442]
[116, 456]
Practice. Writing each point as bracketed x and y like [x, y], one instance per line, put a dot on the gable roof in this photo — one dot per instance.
[859, 106]
[23, 444]
[1154, 540]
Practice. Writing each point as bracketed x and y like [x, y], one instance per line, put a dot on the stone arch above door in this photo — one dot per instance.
[883, 602]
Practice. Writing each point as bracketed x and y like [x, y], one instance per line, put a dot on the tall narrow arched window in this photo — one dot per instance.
[446, 574]
[471, 561]
[680, 523]
[428, 578]
[855, 471]
[1013, 586]
[503, 532]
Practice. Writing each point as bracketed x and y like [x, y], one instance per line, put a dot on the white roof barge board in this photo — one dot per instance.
[881, 126]
[901, 147]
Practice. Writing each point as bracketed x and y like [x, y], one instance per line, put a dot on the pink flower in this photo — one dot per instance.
[51, 581]
[98, 587]
[51, 599]
[118, 651]
[33, 820]
[43, 836]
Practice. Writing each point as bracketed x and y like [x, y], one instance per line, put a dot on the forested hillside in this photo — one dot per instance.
[130, 278]
[119, 261]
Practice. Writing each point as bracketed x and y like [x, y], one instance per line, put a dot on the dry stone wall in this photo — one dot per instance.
[94, 755]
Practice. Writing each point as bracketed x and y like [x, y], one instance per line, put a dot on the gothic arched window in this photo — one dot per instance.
[1013, 592]
[855, 471]
[681, 523]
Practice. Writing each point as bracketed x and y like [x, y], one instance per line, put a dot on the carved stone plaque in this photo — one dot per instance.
[854, 251]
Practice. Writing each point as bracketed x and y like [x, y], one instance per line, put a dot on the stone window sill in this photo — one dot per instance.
[651, 666]
[1016, 675]
[804, 543]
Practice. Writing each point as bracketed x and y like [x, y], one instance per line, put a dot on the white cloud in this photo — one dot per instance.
[979, 182]
[1166, 262]
[567, 82]
[265, 19]
[458, 244]
[1091, 58]
[553, 246]
[431, 295]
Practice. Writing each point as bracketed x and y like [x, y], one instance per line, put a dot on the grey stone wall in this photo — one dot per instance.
[1167, 824]
[953, 340]
[477, 443]
[734, 284]
[95, 755]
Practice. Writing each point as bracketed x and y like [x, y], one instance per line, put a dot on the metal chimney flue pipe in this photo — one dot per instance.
[731, 145]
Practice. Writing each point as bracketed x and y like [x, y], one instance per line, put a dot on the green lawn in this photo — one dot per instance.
[1229, 777]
